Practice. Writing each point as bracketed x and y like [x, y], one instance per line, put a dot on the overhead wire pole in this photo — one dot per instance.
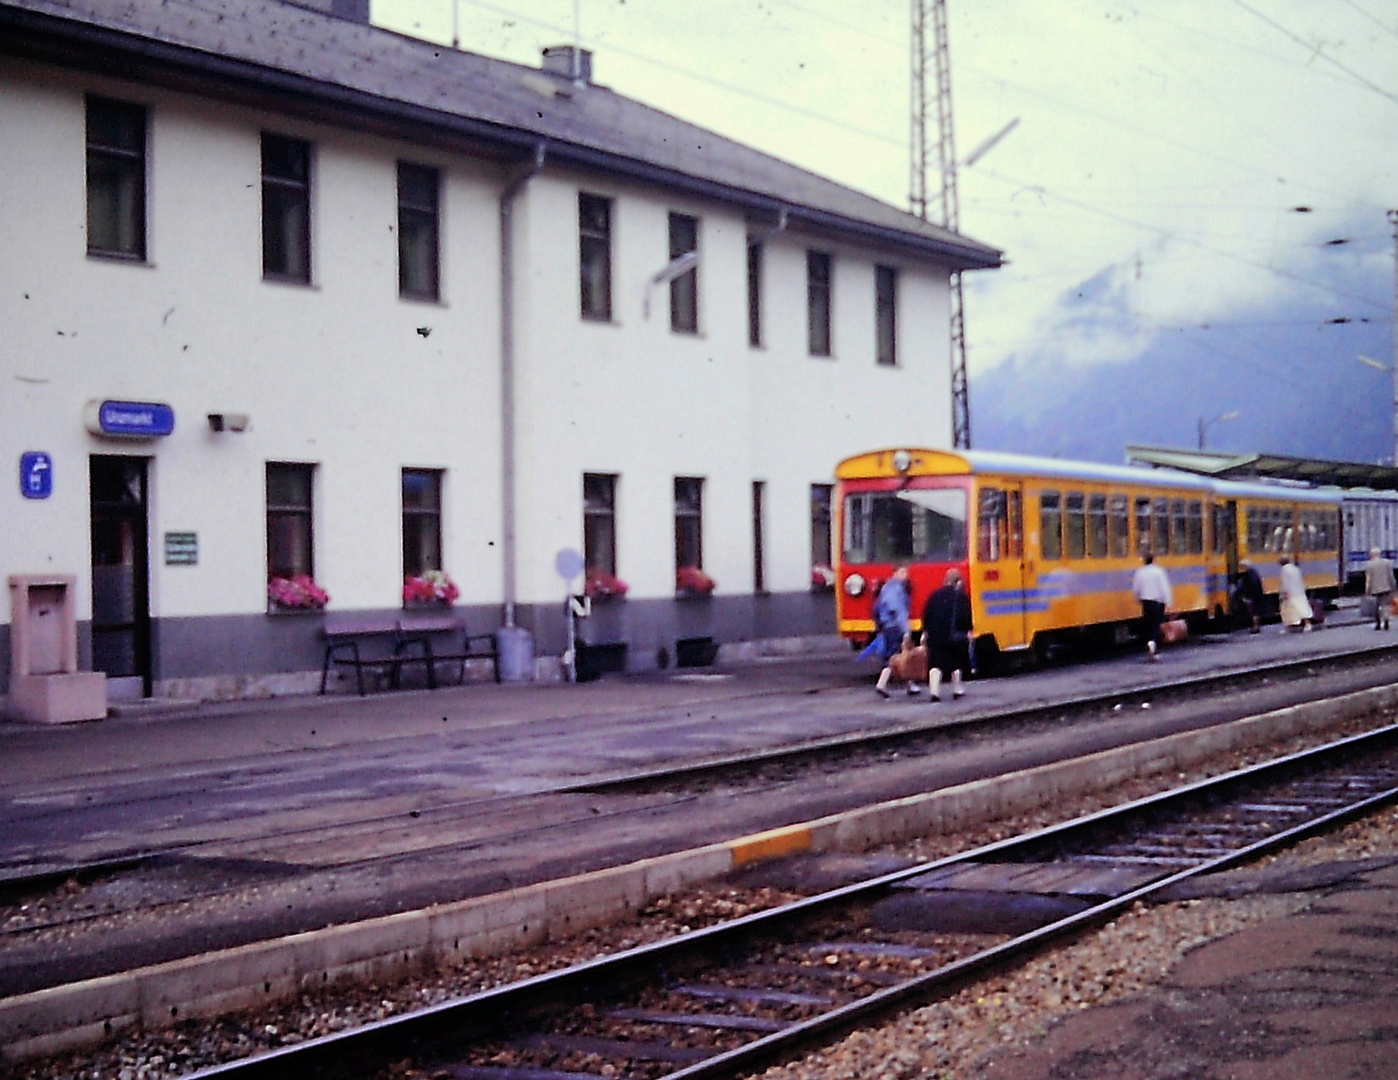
[935, 12]
[1393, 220]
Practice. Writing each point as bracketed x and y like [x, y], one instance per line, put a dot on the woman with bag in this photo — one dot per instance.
[891, 613]
[1295, 605]
[946, 631]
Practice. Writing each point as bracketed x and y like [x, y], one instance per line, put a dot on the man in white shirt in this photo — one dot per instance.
[1152, 588]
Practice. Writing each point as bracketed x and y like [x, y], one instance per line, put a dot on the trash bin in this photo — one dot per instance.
[514, 646]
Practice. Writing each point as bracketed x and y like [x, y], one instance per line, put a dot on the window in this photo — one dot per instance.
[822, 540]
[1160, 527]
[921, 524]
[286, 209]
[116, 179]
[1077, 526]
[992, 525]
[998, 526]
[1220, 524]
[595, 239]
[599, 523]
[818, 302]
[1143, 529]
[759, 556]
[886, 315]
[1119, 526]
[1179, 528]
[689, 522]
[419, 230]
[684, 289]
[1097, 526]
[422, 521]
[755, 293]
[1194, 527]
[289, 547]
[1051, 525]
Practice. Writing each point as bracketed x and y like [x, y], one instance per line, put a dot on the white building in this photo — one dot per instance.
[405, 308]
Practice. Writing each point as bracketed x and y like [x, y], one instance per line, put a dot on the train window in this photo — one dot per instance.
[1077, 526]
[1015, 547]
[1119, 525]
[1220, 524]
[1179, 536]
[925, 525]
[1097, 526]
[1160, 526]
[1051, 525]
[992, 525]
[1142, 525]
[1194, 528]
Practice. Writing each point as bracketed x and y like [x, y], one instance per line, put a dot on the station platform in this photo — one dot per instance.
[83, 792]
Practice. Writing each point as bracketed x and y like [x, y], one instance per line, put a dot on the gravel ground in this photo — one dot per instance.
[943, 1040]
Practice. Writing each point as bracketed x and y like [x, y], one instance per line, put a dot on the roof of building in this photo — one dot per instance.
[1345, 474]
[292, 59]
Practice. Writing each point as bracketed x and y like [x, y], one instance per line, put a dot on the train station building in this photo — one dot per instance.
[306, 318]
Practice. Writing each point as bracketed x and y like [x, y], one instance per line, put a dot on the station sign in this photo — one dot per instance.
[35, 474]
[129, 419]
[181, 549]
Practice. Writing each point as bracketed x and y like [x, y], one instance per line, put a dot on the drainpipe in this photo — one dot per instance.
[513, 187]
[763, 237]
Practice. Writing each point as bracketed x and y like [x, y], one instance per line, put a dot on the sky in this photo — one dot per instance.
[1179, 167]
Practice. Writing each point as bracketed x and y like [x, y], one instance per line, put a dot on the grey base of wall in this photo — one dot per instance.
[233, 656]
[86, 1014]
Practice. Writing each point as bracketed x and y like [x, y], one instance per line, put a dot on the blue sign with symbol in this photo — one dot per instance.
[138, 419]
[35, 475]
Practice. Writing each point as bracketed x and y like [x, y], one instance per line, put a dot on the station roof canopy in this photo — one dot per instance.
[1263, 466]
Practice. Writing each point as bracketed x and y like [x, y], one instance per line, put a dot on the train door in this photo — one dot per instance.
[120, 574]
[1230, 538]
[999, 572]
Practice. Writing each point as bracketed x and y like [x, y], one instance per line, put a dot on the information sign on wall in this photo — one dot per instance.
[35, 475]
[181, 549]
[129, 419]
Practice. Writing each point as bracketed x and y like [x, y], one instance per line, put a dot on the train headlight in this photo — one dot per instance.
[902, 461]
[854, 585]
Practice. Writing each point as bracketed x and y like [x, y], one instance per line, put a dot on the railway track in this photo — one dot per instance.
[735, 997]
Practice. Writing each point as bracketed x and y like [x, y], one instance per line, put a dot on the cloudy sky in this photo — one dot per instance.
[1179, 167]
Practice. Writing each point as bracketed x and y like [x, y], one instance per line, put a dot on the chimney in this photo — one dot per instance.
[560, 60]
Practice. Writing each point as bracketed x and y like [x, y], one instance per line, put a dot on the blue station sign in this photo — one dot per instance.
[35, 474]
[130, 419]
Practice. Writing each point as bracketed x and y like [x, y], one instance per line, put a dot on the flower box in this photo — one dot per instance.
[691, 581]
[433, 588]
[601, 585]
[298, 593]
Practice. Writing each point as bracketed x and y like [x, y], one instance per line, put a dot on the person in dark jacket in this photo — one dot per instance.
[946, 631]
[1250, 594]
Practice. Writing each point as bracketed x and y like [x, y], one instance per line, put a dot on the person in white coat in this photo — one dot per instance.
[1152, 588]
[1295, 605]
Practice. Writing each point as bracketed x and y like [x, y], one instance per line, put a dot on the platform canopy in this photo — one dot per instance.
[1263, 466]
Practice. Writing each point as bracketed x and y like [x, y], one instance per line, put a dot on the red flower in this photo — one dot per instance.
[432, 587]
[690, 579]
[600, 584]
[298, 592]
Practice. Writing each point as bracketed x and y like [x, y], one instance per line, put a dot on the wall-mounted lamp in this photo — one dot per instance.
[229, 421]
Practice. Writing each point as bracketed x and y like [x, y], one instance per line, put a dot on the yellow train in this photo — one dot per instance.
[1048, 547]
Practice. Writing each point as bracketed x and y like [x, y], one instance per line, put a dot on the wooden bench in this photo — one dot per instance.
[386, 644]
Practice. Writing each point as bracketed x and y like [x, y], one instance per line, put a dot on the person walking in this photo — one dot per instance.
[1379, 583]
[891, 618]
[1295, 605]
[946, 631]
[1250, 594]
[1152, 588]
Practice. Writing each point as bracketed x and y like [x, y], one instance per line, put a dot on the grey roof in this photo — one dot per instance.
[296, 60]
[1344, 474]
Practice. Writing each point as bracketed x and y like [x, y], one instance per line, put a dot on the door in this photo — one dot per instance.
[120, 574]
[998, 576]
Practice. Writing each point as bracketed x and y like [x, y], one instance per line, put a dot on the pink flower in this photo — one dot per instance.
[298, 592]
[432, 587]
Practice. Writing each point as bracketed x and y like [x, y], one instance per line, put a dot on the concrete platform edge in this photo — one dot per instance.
[84, 1014]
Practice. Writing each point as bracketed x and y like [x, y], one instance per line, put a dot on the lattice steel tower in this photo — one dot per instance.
[923, 91]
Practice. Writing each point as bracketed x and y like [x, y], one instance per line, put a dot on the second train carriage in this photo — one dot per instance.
[1048, 547]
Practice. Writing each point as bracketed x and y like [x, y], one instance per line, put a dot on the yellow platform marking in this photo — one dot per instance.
[788, 840]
